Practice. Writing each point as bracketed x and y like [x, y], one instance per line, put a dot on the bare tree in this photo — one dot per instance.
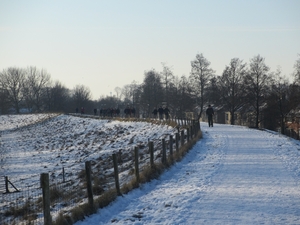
[168, 80]
[118, 91]
[184, 101]
[4, 103]
[231, 86]
[297, 70]
[200, 76]
[12, 83]
[152, 89]
[134, 93]
[57, 97]
[35, 88]
[81, 96]
[257, 83]
[126, 92]
[296, 84]
[213, 93]
[282, 93]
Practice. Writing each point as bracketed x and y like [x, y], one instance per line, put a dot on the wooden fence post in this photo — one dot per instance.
[63, 172]
[164, 152]
[6, 185]
[89, 185]
[177, 141]
[136, 163]
[188, 134]
[171, 146]
[44, 179]
[182, 138]
[196, 128]
[151, 154]
[116, 171]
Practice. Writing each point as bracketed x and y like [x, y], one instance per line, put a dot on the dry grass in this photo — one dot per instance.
[79, 212]
[106, 198]
[25, 211]
[148, 120]
[62, 220]
[148, 173]
[55, 193]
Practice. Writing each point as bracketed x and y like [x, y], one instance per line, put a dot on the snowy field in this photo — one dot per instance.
[45, 143]
[234, 175]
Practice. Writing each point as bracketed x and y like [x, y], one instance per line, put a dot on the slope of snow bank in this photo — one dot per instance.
[67, 141]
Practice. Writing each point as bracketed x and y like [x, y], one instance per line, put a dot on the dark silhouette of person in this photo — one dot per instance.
[127, 112]
[210, 113]
[167, 112]
[154, 112]
[160, 112]
[132, 112]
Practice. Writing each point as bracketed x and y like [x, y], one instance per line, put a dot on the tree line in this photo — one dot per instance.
[242, 87]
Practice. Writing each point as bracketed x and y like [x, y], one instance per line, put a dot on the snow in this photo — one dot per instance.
[234, 175]
[52, 143]
[29, 147]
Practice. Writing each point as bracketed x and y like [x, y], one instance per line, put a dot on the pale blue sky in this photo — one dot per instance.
[105, 44]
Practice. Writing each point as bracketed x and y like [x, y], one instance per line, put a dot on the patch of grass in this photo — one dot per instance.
[55, 193]
[148, 120]
[147, 174]
[106, 198]
[22, 211]
[97, 186]
[77, 213]
[62, 220]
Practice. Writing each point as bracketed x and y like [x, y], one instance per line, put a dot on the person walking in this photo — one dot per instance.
[210, 113]
[154, 112]
[167, 112]
[160, 112]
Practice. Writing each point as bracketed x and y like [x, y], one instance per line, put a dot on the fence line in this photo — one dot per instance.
[25, 207]
[292, 133]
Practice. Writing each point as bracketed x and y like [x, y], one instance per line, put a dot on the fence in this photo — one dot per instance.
[22, 207]
[292, 133]
[69, 201]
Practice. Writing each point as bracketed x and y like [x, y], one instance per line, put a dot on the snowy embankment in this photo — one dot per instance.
[234, 175]
[29, 147]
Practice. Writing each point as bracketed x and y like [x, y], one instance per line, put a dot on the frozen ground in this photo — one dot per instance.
[234, 175]
[45, 143]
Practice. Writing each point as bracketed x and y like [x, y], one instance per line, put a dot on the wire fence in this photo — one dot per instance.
[26, 205]
[22, 207]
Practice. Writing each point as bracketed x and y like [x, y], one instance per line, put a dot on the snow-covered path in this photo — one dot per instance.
[253, 186]
[234, 175]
